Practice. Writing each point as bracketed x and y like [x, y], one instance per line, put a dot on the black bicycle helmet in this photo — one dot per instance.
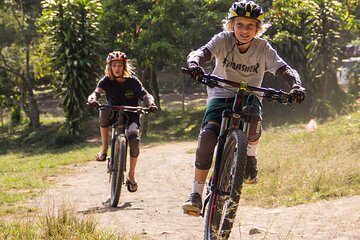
[246, 9]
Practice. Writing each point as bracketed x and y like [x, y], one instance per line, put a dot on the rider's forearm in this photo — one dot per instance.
[148, 99]
[98, 91]
[199, 56]
[96, 94]
[290, 75]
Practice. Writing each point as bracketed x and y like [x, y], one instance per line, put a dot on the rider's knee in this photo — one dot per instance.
[134, 144]
[205, 150]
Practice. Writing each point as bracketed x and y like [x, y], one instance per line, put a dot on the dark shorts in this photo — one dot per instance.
[107, 117]
[216, 106]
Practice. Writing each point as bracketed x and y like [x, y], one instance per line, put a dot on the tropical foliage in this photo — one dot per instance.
[73, 27]
[59, 43]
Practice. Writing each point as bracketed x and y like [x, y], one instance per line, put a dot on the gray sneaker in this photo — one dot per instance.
[193, 205]
[251, 171]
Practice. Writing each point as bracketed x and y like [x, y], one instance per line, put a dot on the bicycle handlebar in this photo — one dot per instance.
[269, 93]
[123, 108]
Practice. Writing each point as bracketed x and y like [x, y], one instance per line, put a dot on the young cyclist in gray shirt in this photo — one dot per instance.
[239, 54]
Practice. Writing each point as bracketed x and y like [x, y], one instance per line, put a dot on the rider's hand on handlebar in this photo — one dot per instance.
[297, 93]
[196, 71]
[153, 108]
[91, 98]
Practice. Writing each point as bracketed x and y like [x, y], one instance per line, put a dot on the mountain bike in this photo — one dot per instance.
[119, 147]
[225, 184]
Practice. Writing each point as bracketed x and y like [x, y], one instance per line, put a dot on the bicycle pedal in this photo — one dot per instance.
[192, 213]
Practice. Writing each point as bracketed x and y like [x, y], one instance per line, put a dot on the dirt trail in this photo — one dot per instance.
[154, 211]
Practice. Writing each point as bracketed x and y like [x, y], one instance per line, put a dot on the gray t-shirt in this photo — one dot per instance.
[249, 67]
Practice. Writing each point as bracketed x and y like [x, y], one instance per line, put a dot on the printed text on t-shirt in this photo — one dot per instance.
[240, 67]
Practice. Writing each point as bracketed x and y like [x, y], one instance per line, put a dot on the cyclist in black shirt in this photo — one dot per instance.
[121, 87]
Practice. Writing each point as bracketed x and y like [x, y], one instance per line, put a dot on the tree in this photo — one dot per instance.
[18, 37]
[73, 28]
[159, 34]
[327, 24]
[9, 98]
[123, 21]
[309, 35]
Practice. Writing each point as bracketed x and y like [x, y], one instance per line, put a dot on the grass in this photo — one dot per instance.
[173, 125]
[26, 174]
[298, 166]
[64, 225]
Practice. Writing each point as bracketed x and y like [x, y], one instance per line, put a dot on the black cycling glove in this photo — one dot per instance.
[196, 71]
[297, 93]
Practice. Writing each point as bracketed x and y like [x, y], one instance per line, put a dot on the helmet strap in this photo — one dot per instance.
[239, 43]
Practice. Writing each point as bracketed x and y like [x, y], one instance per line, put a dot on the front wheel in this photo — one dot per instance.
[118, 170]
[225, 199]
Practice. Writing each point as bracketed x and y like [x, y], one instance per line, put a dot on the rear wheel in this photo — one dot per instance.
[118, 170]
[224, 201]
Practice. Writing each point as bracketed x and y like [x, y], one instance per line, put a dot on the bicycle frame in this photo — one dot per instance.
[231, 119]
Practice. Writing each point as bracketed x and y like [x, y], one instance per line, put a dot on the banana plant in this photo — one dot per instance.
[73, 27]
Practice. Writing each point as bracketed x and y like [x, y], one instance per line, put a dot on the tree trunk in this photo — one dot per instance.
[154, 87]
[1, 117]
[144, 120]
[34, 114]
[34, 111]
[143, 76]
[148, 78]
[29, 106]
